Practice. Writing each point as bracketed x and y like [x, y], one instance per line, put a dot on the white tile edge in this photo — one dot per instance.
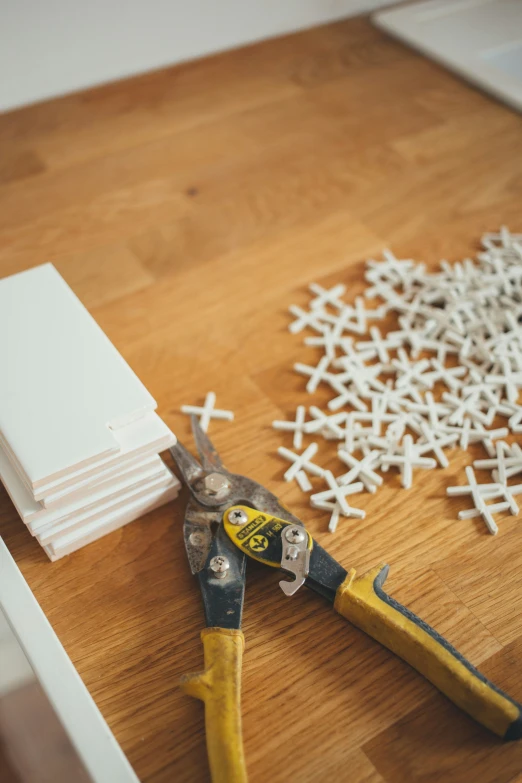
[82, 720]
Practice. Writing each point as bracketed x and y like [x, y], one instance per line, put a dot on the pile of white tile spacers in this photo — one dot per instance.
[460, 335]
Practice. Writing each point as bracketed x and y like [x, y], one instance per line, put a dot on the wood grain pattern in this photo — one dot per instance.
[188, 208]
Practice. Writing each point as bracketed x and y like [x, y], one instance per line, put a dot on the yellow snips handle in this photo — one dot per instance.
[219, 686]
[363, 602]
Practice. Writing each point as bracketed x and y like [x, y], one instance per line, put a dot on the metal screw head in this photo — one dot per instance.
[292, 553]
[294, 535]
[216, 484]
[219, 565]
[237, 516]
[197, 539]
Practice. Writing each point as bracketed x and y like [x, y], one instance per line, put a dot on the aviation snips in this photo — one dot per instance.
[231, 518]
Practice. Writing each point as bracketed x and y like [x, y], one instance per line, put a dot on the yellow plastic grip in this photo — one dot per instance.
[219, 686]
[361, 600]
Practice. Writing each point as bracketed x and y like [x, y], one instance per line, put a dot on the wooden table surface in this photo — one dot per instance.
[188, 208]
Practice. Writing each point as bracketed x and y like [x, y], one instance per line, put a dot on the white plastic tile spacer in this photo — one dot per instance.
[479, 493]
[355, 436]
[514, 412]
[379, 346]
[327, 296]
[301, 461]
[362, 470]
[346, 396]
[462, 407]
[322, 422]
[511, 380]
[451, 376]
[376, 417]
[297, 426]
[207, 412]
[304, 482]
[304, 319]
[433, 410]
[316, 374]
[410, 373]
[503, 464]
[435, 442]
[336, 511]
[328, 341]
[337, 494]
[406, 460]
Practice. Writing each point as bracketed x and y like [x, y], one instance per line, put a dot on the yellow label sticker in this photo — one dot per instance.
[260, 536]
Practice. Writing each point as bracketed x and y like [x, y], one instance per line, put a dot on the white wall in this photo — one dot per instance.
[51, 47]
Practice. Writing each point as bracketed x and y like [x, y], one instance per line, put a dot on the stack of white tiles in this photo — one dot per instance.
[79, 436]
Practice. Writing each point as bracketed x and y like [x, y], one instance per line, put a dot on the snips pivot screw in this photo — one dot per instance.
[216, 484]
